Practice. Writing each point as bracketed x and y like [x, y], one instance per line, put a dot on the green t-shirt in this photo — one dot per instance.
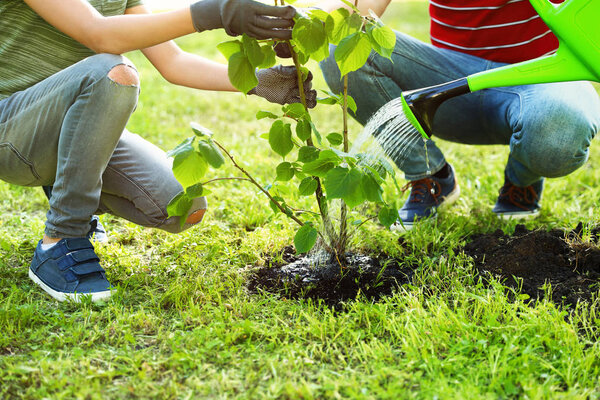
[31, 49]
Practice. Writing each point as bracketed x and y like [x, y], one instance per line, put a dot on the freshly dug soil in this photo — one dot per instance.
[526, 259]
[558, 258]
[311, 277]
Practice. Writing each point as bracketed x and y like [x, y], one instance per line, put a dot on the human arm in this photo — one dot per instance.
[278, 84]
[183, 68]
[122, 33]
[114, 34]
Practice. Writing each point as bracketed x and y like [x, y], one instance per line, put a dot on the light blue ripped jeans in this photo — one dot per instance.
[68, 131]
[549, 127]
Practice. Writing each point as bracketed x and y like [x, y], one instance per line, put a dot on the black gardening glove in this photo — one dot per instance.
[282, 49]
[243, 16]
[279, 84]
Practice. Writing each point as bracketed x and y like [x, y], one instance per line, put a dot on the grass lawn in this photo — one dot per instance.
[182, 324]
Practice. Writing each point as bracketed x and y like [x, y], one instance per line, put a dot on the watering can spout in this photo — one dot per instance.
[423, 103]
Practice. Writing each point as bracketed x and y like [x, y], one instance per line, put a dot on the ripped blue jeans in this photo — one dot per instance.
[68, 131]
[549, 127]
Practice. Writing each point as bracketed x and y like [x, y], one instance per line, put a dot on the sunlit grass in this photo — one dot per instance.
[183, 326]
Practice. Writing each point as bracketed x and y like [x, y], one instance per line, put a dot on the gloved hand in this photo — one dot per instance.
[282, 49]
[279, 84]
[243, 16]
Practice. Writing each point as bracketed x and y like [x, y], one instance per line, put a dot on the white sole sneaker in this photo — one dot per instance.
[75, 297]
[448, 200]
[519, 215]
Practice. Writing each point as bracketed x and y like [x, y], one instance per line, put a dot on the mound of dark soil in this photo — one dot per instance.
[526, 261]
[535, 258]
[311, 277]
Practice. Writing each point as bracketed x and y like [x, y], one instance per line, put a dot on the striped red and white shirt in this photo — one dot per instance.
[499, 30]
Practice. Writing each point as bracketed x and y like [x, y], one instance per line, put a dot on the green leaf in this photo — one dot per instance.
[182, 147]
[284, 171]
[383, 40]
[303, 129]
[211, 153]
[327, 160]
[200, 131]
[335, 139]
[334, 98]
[309, 34]
[269, 56]
[241, 73]
[179, 206]
[296, 111]
[321, 53]
[252, 50]
[341, 24]
[352, 52]
[344, 183]
[387, 216]
[307, 186]
[319, 14]
[372, 189]
[280, 138]
[230, 48]
[302, 58]
[352, 104]
[308, 154]
[316, 132]
[384, 36]
[266, 114]
[189, 168]
[194, 191]
[328, 100]
[318, 167]
[305, 238]
[331, 155]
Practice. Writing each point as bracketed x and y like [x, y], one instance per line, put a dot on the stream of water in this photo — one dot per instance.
[394, 135]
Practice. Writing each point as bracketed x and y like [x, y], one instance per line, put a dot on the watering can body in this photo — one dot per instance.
[576, 24]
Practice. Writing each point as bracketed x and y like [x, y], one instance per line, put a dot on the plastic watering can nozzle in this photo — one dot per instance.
[420, 105]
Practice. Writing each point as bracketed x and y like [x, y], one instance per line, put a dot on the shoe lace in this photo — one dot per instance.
[518, 196]
[421, 188]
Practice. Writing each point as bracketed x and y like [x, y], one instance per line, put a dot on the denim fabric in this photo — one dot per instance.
[548, 127]
[68, 131]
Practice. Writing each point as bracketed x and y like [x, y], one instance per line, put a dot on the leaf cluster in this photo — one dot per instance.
[311, 163]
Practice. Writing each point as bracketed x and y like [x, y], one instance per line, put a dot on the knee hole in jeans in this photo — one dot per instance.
[124, 75]
[195, 217]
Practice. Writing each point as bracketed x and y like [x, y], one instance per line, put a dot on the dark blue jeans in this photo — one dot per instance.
[549, 127]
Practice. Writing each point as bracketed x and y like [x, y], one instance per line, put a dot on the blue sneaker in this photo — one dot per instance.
[70, 270]
[516, 202]
[426, 195]
[97, 232]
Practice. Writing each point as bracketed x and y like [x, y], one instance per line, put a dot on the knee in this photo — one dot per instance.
[193, 217]
[561, 153]
[119, 69]
[124, 74]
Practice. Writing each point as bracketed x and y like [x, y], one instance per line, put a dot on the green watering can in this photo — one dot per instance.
[576, 24]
